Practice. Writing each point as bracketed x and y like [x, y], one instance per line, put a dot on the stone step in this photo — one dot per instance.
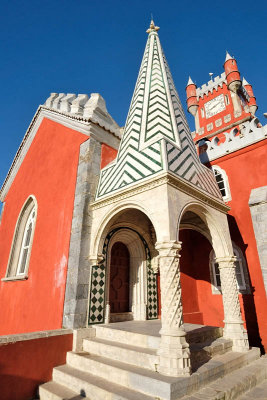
[257, 393]
[155, 384]
[93, 387]
[119, 335]
[54, 391]
[203, 334]
[134, 355]
[237, 385]
[136, 378]
[203, 352]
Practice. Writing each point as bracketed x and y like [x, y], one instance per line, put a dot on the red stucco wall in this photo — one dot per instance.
[49, 173]
[108, 154]
[246, 170]
[27, 364]
[200, 305]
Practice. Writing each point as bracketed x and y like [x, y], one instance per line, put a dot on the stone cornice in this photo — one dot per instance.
[88, 126]
[162, 179]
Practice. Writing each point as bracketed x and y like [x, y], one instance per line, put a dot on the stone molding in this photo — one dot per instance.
[258, 210]
[249, 134]
[87, 126]
[162, 179]
[77, 283]
[21, 337]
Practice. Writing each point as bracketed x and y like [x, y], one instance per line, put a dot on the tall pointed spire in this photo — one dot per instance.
[156, 136]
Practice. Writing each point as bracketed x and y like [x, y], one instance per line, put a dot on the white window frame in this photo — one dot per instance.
[226, 188]
[26, 243]
[18, 263]
[241, 269]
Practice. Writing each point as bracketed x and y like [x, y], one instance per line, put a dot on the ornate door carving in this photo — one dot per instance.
[119, 278]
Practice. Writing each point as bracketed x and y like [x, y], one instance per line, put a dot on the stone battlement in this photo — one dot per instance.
[249, 132]
[81, 105]
[213, 84]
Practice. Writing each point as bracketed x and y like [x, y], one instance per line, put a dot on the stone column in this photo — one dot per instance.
[233, 328]
[174, 350]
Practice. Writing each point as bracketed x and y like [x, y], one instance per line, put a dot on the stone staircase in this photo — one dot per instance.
[120, 363]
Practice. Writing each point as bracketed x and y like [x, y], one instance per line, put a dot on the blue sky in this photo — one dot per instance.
[90, 46]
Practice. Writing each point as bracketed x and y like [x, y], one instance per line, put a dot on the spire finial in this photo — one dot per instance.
[152, 27]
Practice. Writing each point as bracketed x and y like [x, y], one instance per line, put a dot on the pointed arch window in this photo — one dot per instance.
[222, 182]
[240, 270]
[18, 263]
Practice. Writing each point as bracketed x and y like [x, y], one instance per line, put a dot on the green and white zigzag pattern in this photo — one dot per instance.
[185, 163]
[155, 113]
[158, 119]
[132, 164]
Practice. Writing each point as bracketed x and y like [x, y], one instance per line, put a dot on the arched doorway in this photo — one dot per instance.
[119, 278]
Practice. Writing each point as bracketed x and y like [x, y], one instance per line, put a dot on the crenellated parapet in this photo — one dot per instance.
[212, 85]
[83, 107]
[248, 133]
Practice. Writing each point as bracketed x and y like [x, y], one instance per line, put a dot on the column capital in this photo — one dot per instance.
[168, 248]
[226, 262]
[96, 259]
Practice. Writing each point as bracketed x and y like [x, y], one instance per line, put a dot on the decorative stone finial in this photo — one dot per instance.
[152, 27]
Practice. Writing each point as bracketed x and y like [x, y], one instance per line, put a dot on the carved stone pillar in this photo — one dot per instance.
[233, 328]
[174, 350]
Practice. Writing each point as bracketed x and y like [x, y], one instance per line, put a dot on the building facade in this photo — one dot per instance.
[102, 224]
[232, 142]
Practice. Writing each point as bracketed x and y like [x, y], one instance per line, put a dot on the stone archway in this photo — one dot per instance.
[142, 280]
[215, 227]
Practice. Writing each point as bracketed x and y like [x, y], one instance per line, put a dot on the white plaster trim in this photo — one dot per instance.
[85, 126]
[160, 179]
[21, 337]
[15, 243]
[221, 171]
[249, 135]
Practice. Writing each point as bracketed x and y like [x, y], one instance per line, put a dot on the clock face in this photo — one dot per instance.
[215, 106]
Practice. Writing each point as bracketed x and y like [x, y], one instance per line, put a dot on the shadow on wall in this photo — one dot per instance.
[247, 299]
[26, 364]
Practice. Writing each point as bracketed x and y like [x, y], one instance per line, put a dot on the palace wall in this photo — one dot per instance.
[246, 170]
[49, 173]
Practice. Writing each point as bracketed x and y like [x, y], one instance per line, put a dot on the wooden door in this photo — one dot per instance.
[119, 278]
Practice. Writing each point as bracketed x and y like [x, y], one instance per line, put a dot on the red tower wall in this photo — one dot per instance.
[246, 170]
[229, 109]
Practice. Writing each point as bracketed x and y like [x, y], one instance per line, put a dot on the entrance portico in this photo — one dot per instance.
[140, 202]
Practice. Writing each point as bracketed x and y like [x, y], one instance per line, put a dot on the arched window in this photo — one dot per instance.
[240, 270]
[222, 182]
[22, 241]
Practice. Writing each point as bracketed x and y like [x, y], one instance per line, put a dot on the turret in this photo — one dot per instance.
[252, 99]
[232, 73]
[191, 94]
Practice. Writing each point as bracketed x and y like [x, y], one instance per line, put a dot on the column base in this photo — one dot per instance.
[107, 314]
[238, 334]
[174, 356]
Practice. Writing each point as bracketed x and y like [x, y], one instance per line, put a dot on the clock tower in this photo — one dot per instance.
[222, 104]
[233, 143]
